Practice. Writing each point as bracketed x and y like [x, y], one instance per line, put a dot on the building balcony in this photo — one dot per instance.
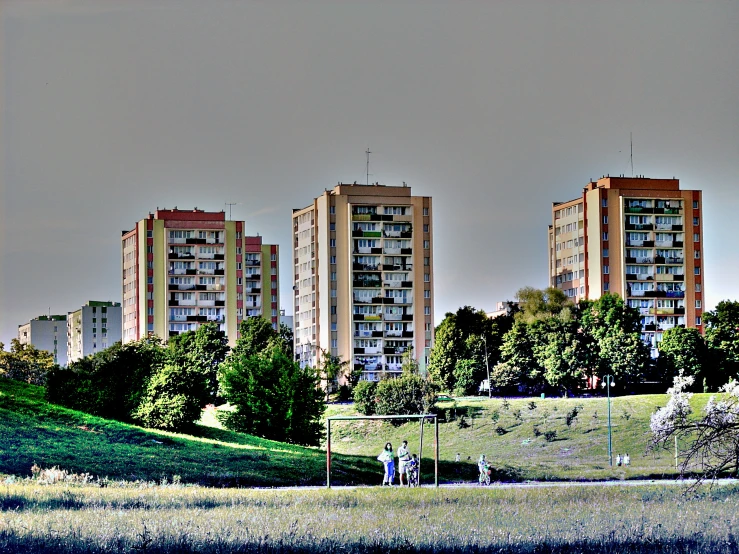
[253, 276]
[181, 287]
[675, 294]
[408, 334]
[398, 334]
[638, 210]
[253, 263]
[255, 290]
[362, 284]
[639, 226]
[401, 300]
[673, 211]
[393, 317]
[180, 256]
[366, 267]
[220, 303]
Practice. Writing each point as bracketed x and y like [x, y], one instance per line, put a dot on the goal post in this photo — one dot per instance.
[421, 417]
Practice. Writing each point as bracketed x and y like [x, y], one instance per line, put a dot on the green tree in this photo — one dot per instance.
[518, 365]
[365, 395]
[464, 377]
[287, 336]
[111, 383]
[559, 351]
[202, 350]
[682, 352]
[25, 362]
[332, 368]
[173, 398]
[722, 339]
[256, 335]
[272, 397]
[408, 394]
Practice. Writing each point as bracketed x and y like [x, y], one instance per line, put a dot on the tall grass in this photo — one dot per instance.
[72, 520]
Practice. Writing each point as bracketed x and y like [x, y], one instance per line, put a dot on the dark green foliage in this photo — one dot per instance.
[466, 344]
[111, 383]
[500, 430]
[365, 393]
[256, 335]
[287, 337]
[173, 399]
[408, 394]
[531, 406]
[202, 350]
[25, 362]
[271, 395]
[571, 416]
[682, 352]
[550, 436]
[722, 339]
[537, 431]
[463, 423]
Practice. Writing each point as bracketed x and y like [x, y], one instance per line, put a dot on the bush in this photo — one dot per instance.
[571, 416]
[365, 394]
[345, 393]
[409, 394]
[537, 431]
[500, 430]
[462, 423]
[550, 436]
[532, 406]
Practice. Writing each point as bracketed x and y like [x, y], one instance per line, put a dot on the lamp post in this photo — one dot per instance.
[608, 382]
[487, 363]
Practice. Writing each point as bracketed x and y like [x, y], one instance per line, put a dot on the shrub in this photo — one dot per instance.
[409, 394]
[345, 393]
[495, 416]
[462, 423]
[531, 406]
[365, 394]
[517, 415]
[500, 430]
[505, 405]
[571, 416]
[537, 431]
[550, 436]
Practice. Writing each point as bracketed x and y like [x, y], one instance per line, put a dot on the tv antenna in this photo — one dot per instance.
[631, 145]
[368, 154]
[229, 204]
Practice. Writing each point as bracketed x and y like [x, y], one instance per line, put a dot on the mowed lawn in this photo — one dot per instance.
[157, 520]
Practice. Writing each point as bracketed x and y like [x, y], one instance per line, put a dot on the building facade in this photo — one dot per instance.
[638, 237]
[182, 268]
[47, 333]
[364, 279]
[94, 327]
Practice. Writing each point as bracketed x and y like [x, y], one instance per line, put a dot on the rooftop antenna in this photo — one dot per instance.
[631, 144]
[229, 204]
[368, 154]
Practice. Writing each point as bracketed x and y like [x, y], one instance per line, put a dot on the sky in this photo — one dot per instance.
[110, 109]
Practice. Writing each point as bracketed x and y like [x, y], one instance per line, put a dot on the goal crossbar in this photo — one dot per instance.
[421, 417]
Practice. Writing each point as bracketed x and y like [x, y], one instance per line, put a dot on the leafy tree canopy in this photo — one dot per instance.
[25, 362]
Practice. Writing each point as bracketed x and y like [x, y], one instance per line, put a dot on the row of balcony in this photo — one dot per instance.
[658, 243]
[381, 250]
[213, 287]
[196, 241]
[656, 293]
[644, 210]
[652, 227]
[387, 317]
[381, 267]
[379, 333]
[381, 217]
[204, 303]
[181, 256]
[651, 277]
[387, 350]
[659, 260]
[358, 233]
[199, 272]
[198, 318]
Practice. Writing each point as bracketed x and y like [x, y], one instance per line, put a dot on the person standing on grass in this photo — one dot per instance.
[403, 458]
[388, 459]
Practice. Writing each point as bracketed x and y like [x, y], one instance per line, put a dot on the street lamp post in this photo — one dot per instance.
[608, 382]
[487, 363]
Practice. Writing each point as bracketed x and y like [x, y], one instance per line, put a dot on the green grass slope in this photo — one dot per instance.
[579, 452]
[32, 431]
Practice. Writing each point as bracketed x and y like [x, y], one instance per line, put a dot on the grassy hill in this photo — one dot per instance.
[34, 431]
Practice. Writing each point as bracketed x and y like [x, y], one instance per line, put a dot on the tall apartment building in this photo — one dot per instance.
[638, 237]
[94, 327]
[47, 333]
[182, 268]
[364, 277]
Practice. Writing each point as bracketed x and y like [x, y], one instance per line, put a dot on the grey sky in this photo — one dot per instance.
[495, 109]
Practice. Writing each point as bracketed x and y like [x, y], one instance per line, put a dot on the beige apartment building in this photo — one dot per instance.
[638, 237]
[364, 278]
[182, 268]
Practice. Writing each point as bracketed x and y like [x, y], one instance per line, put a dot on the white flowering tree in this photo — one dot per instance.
[712, 439]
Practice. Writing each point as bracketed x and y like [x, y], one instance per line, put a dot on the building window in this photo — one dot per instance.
[333, 276]
[425, 211]
[332, 243]
[605, 253]
[425, 227]
[333, 326]
[605, 203]
[606, 269]
[696, 237]
[149, 234]
[274, 312]
[697, 304]
[606, 286]
[697, 271]
[427, 294]
[332, 209]
[150, 280]
[427, 244]
[332, 226]
[697, 287]
[695, 204]
[274, 298]
[605, 236]
[696, 221]
[426, 278]
[238, 280]
[238, 265]
[238, 250]
[698, 321]
[426, 262]
[427, 310]
[333, 310]
[334, 343]
[273, 258]
[238, 235]
[697, 254]
[605, 220]
[333, 293]
[333, 259]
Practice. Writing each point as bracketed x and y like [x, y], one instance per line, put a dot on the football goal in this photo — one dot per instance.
[422, 419]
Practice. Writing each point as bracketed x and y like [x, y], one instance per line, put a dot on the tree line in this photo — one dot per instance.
[549, 343]
[166, 385]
